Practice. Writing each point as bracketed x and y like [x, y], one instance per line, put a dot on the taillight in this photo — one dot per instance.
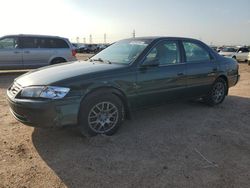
[73, 53]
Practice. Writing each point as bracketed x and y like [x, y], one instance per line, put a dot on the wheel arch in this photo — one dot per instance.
[113, 90]
[55, 58]
[224, 77]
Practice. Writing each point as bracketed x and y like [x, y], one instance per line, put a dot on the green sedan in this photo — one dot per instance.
[100, 93]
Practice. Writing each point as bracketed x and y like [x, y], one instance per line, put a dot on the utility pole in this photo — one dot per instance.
[84, 40]
[105, 38]
[77, 39]
[90, 39]
[133, 34]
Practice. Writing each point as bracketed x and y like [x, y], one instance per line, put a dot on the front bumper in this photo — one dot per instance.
[45, 113]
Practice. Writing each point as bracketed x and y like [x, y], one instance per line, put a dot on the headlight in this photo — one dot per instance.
[49, 92]
[52, 92]
[32, 92]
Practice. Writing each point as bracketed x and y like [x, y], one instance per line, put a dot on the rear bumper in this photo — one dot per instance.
[49, 113]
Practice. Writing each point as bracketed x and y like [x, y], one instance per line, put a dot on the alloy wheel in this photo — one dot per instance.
[103, 117]
[218, 92]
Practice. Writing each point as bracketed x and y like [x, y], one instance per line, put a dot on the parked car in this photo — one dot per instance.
[131, 74]
[101, 47]
[87, 48]
[33, 51]
[81, 49]
[75, 45]
[241, 54]
[228, 51]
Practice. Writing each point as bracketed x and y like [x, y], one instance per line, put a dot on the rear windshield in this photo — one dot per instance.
[40, 42]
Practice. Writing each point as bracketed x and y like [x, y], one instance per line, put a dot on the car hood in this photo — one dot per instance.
[55, 73]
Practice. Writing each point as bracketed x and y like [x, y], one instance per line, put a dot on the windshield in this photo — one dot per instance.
[122, 52]
[228, 50]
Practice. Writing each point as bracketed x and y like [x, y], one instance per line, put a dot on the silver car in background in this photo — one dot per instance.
[33, 51]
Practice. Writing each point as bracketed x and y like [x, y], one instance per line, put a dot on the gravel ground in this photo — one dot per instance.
[184, 144]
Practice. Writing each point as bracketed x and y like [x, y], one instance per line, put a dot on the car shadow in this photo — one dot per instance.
[175, 145]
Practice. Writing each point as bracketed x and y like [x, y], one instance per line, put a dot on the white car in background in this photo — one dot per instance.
[242, 54]
[228, 51]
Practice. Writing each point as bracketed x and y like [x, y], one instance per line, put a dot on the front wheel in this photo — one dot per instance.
[101, 114]
[217, 93]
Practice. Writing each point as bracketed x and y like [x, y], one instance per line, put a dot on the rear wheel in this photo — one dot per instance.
[101, 113]
[217, 93]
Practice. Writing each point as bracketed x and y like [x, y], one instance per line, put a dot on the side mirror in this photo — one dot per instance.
[151, 63]
[240, 52]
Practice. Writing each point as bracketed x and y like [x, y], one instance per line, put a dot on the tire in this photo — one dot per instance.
[217, 93]
[100, 113]
[57, 60]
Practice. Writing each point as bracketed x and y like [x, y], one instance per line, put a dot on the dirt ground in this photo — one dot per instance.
[184, 144]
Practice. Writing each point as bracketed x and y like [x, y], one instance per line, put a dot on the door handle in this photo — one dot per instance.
[16, 52]
[27, 52]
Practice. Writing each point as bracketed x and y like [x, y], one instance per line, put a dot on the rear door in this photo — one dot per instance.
[36, 52]
[10, 53]
[165, 81]
[202, 68]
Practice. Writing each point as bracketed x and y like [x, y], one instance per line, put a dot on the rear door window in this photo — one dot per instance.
[40, 42]
[195, 52]
[29, 42]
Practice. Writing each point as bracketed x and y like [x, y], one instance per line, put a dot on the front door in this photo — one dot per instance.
[161, 77]
[10, 53]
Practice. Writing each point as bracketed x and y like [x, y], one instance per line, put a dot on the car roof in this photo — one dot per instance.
[33, 35]
[163, 37]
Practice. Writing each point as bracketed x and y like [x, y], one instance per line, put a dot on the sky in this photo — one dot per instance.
[215, 22]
